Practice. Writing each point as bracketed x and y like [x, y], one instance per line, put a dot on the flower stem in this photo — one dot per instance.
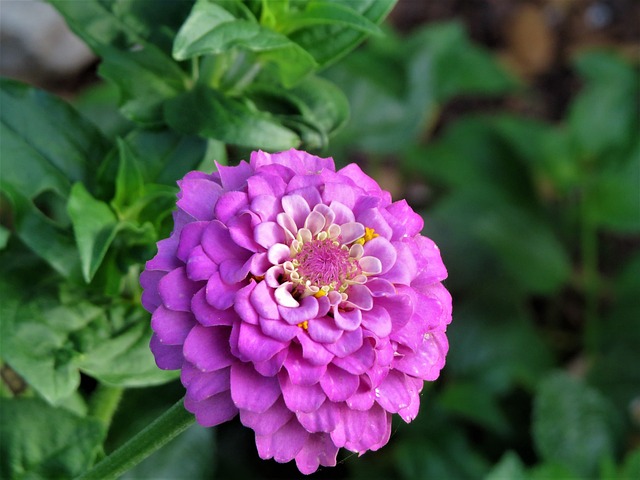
[104, 403]
[166, 427]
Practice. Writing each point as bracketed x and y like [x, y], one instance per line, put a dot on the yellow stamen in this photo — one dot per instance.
[320, 293]
[304, 325]
[369, 234]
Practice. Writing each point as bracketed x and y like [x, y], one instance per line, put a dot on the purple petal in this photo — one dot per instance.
[171, 327]
[217, 243]
[317, 450]
[266, 207]
[393, 393]
[370, 265]
[190, 238]
[313, 351]
[363, 399]
[402, 219]
[271, 366]
[324, 330]
[198, 197]
[176, 290]
[242, 304]
[219, 294]
[342, 213]
[372, 218]
[338, 384]
[399, 307]
[212, 411]
[377, 321]
[263, 301]
[429, 359]
[347, 320]
[209, 316]
[208, 348]
[283, 296]
[233, 270]
[380, 287]
[297, 208]
[229, 204]
[404, 269]
[199, 265]
[201, 385]
[149, 280]
[300, 398]
[254, 346]
[339, 192]
[301, 371]
[263, 185]
[234, 178]
[278, 253]
[359, 361]
[355, 173]
[348, 343]
[307, 310]
[165, 259]
[268, 233]
[314, 222]
[324, 419]
[268, 422]
[168, 357]
[278, 330]
[383, 250]
[284, 444]
[377, 433]
[241, 230]
[360, 296]
[411, 411]
[350, 232]
[351, 426]
[250, 390]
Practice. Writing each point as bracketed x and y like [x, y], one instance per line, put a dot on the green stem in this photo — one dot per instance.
[166, 427]
[104, 403]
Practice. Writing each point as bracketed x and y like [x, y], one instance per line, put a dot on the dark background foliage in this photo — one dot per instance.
[511, 126]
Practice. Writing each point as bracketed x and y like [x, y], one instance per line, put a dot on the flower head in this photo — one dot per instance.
[301, 298]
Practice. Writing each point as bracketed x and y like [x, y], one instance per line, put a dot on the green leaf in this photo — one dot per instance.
[45, 142]
[327, 43]
[49, 240]
[94, 225]
[212, 30]
[5, 233]
[40, 329]
[573, 424]
[39, 441]
[327, 13]
[604, 115]
[125, 360]
[129, 181]
[510, 467]
[214, 115]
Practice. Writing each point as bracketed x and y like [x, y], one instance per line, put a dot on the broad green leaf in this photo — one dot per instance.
[572, 424]
[604, 115]
[41, 349]
[129, 181]
[40, 441]
[327, 13]
[5, 233]
[510, 467]
[145, 78]
[327, 43]
[42, 235]
[94, 225]
[211, 114]
[125, 360]
[45, 142]
[211, 30]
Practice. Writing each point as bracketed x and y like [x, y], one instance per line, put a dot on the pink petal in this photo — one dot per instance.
[427, 362]
[297, 208]
[313, 351]
[167, 357]
[359, 361]
[171, 327]
[315, 222]
[278, 330]
[254, 346]
[377, 321]
[284, 444]
[267, 207]
[348, 320]
[393, 393]
[317, 450]
[209, 316]
[208, 348]
[338, 384]
[360, 296]
[271, 366]
[229, 204]
[268, 422]
[213, 410]
[370, 265]
[301, 371]
[242, 305]
[383, 250]
[343, 214]
[268, 233]
[176, 290]
[350, 232]
[404, 270]
[307, 310]
[348, 343]
[201, 385]
[278, 253]
[377, 433]
[300, 398]
[250, 390]
[324, 330]
[263, 301]
[324, 419]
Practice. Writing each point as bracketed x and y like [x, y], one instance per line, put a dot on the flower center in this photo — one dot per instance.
[324, 263]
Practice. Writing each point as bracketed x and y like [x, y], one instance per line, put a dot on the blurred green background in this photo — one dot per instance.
[512, 127]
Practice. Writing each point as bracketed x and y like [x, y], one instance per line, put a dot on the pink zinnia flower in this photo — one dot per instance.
[302, 299]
